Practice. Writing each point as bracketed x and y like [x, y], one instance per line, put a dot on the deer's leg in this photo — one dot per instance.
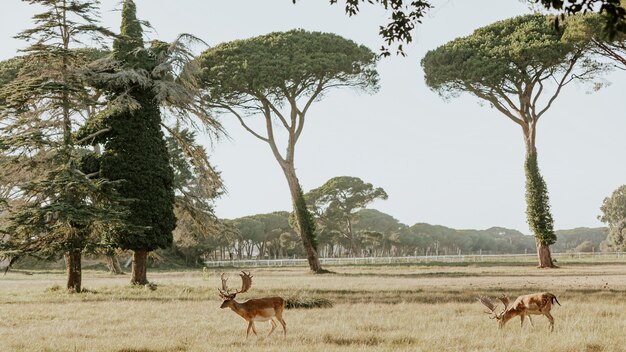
[530, 318]
[521, 317]
[279, 316]
[253, 327]
[273, 326]
[551, 319]
[249, 328]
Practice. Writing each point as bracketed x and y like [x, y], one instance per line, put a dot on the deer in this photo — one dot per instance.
[524, 306]
[260, 309]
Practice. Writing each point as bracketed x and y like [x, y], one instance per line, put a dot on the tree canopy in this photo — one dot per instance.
[337, 202]
[56, 207]
[508, 58]
[404, 16]
[588, 28]
[519, 66]
[283, 67]
[278, 76]
[614, 215]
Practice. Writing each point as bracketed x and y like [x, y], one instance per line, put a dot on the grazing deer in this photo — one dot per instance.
[260, 309]
[527, 305]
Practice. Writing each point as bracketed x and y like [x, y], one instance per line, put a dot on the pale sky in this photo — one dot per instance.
[455, 163]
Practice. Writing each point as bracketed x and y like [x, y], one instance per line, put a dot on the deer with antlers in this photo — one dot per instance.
[524, 306]
[260, 309]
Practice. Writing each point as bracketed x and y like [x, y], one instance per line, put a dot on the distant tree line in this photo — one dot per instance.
[376, 234]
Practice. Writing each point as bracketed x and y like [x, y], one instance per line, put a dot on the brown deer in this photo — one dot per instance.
[524, 306]
[260, 309]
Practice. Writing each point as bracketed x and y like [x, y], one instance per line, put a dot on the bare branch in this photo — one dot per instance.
[560, 85]
[496, 103]
[302, 114]
[270, 136]
[242, 122]
[93, 135]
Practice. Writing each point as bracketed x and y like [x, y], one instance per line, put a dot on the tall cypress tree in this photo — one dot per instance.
[135, 152]
[141, 83]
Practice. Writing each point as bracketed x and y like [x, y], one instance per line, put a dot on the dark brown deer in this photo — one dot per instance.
[524, 306]
[260, 309]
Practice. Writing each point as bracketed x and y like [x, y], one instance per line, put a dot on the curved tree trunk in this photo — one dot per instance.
[74, 274]
[304, 220]
[538, 212]
[140, 265]
[113, 264]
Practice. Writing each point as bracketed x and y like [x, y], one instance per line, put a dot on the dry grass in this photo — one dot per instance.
[413, 308]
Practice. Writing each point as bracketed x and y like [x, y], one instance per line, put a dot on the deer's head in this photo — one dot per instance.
[492, 308]
[227, 296]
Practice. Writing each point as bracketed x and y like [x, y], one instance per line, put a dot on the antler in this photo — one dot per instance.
[492, 307]
[246, 283]
[505, 300]
[487, 303]
[224, 290]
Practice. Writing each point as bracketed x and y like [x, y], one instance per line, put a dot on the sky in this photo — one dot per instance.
[456, 163]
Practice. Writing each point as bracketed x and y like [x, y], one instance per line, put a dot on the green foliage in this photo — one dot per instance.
[436, 239]
[272, 235]
[135, 153]
[336, 205]
[613, 12]
[348, 194]
[306, 225]
[51, 202]
[382, 235]
[519, 66]
[377, 221]
[285, 65]
[89, 163]
[269, 74]
[402, 20]
[584, 29]
[9, 69]
[305, 302]
[131, 35]
[496, 59]
[196, 186]
[405, 16]
[569, 240]
[614, 214]
[585, 247]
[537, 203]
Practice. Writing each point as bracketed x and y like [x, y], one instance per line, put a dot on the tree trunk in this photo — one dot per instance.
[113, 264]
[304, 220]
[140, 264]
[538, 212]
[545, 258]
[352, 242]
[74, 273]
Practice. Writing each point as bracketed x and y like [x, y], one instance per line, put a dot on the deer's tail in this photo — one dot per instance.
[553, 297]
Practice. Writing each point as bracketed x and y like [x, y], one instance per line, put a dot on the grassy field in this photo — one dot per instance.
[376, 308]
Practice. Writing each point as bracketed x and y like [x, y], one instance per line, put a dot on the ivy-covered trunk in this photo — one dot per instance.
[538, 212]
[304, 219]
[74, 274]
[140, 266]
